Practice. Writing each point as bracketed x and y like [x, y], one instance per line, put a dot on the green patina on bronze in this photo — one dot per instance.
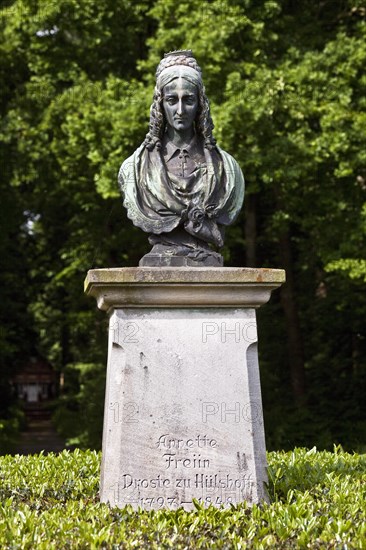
[179, 186]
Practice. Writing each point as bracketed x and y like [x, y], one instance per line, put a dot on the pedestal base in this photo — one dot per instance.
[180, 248]
[183, 412]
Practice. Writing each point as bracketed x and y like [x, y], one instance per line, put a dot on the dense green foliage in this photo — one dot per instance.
[318, 501]
[287, 88]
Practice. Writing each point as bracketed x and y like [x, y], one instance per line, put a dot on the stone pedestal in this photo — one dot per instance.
[183, 411]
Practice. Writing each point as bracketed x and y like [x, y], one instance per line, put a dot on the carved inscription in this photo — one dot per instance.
[192, 455]
[175, 445]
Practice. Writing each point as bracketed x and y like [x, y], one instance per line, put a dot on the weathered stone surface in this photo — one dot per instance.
[182, 287]
[183, 415]
[183, 411]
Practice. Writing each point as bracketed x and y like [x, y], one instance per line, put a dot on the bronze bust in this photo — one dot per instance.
[179, 186]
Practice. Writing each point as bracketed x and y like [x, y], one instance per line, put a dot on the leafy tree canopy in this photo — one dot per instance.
[287, 90]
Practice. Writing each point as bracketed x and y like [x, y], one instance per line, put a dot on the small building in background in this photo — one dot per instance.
[36, 381]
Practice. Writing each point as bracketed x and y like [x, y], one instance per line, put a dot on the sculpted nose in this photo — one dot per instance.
[180, 107]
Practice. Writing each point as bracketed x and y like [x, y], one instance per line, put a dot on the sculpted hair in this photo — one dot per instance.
[203, 121]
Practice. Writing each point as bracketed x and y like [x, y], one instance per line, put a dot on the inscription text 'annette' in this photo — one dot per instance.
[166, 441]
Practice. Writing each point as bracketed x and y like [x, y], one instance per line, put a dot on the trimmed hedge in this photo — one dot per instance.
[51, 502]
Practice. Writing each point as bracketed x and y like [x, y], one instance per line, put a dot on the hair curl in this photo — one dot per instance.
[203, 120]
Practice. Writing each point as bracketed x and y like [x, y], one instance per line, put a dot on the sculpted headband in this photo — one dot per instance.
[178, 71]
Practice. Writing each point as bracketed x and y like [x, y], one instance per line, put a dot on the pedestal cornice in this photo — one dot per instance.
[170, 287]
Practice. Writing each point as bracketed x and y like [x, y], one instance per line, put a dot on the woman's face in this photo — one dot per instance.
[180, 103]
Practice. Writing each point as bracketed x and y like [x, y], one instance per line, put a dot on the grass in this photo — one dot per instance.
[51, 502]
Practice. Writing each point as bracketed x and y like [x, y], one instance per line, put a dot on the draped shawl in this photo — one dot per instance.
[156, 204]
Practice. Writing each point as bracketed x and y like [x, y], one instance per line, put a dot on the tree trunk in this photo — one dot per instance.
[250, 230]
[294, 336]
